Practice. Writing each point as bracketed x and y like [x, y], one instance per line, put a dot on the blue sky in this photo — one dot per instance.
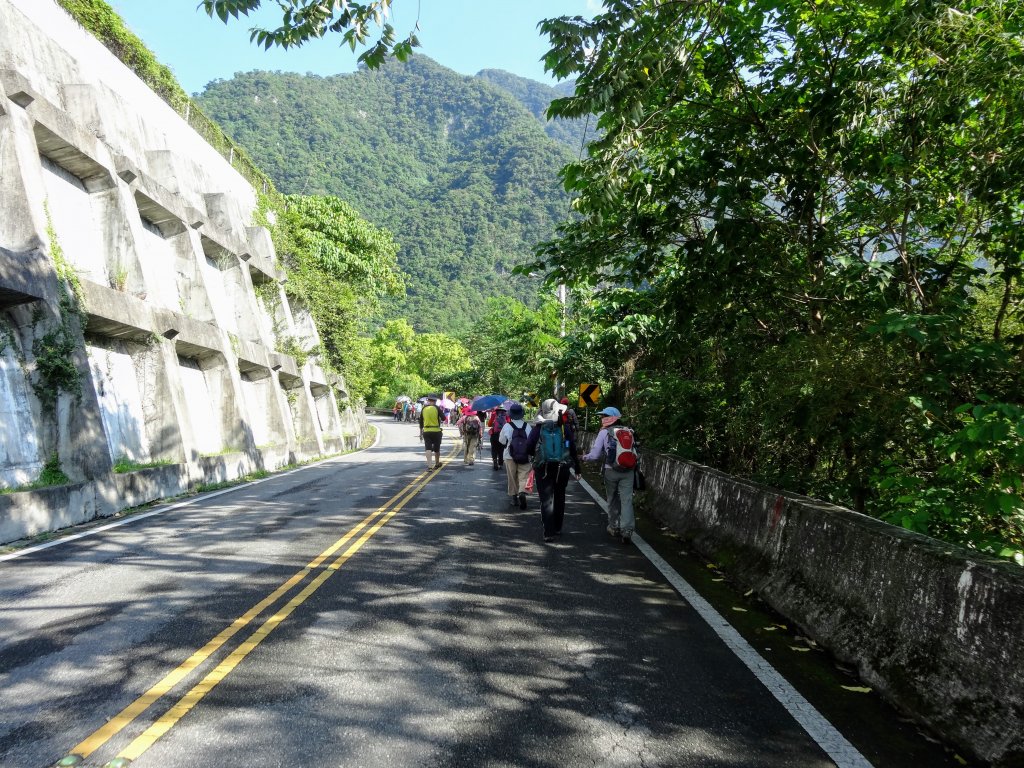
[464, 35]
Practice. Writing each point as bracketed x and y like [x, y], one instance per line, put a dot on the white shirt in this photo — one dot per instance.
[505, 436]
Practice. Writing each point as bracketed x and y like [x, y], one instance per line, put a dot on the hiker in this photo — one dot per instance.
[430, 431]
[495, 422]
[615, 446]
[471, 429]
[569, 417]
[552, 447]
[514, 436]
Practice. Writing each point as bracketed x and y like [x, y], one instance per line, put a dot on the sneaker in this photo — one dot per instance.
[513, 501]
[615, 532]
[549, 538]
[627, 538]
[438, 465]
[522, 501]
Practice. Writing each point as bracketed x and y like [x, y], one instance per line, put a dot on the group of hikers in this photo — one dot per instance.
[542, 452]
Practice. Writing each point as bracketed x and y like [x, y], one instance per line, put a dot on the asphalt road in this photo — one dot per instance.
[365, 612]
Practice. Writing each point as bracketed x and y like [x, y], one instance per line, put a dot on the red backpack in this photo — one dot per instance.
[621, 448]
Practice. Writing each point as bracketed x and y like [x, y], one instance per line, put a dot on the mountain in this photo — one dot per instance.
[456, 167]
[536, 97]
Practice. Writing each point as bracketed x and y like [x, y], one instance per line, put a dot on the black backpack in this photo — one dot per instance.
[517, 445]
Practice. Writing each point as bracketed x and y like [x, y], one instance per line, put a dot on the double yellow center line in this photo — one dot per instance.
[372, 523]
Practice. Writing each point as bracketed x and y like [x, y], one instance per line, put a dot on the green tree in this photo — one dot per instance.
[438, 358]
[406, 363]
[783, 230]
[340, 267]
[513, 348]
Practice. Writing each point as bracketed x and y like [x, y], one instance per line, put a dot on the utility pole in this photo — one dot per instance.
[559, 385]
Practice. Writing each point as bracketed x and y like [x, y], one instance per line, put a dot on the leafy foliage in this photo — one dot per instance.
[305, 20]
[513, 348]
[51, 474]
[54, 352]
[339, 267]
[798, 246]
[406, 363]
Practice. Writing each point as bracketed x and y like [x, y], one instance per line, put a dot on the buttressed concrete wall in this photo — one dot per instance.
[164, 352]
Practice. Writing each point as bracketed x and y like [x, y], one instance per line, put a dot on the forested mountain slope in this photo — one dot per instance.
[536, 97]
[457, 168]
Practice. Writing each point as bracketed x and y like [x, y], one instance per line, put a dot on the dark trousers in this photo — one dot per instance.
[497, 451]
[551, 480]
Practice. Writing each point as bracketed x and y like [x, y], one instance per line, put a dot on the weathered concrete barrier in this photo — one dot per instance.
[936, 629]
[25, 514]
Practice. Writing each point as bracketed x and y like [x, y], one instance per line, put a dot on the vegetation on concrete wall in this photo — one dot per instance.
[340, 268]
[51, 474]
[55, 351]
[100, 20]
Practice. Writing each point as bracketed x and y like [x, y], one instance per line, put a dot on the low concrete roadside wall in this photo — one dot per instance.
[937, 630]
[26, 514]
[30, 513]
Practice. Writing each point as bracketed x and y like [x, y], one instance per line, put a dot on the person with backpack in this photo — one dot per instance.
[570, 415]
[515, 436]
[471, 430]
[495, 422]
[430, 431]
[615, 444]
[552, 446]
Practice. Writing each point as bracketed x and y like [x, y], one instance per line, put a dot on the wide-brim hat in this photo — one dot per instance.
[551, 409]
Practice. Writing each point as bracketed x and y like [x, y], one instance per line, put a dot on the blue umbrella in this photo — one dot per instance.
[487, 402]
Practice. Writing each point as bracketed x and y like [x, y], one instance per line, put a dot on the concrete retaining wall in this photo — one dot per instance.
[937, 630]
[176, 357]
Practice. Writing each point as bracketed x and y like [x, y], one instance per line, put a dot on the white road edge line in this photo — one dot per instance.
[172, 507]
[835, 745]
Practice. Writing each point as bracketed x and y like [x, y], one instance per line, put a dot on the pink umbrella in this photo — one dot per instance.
[445, 403]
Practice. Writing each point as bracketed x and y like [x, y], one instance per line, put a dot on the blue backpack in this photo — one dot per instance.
[551, 445]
